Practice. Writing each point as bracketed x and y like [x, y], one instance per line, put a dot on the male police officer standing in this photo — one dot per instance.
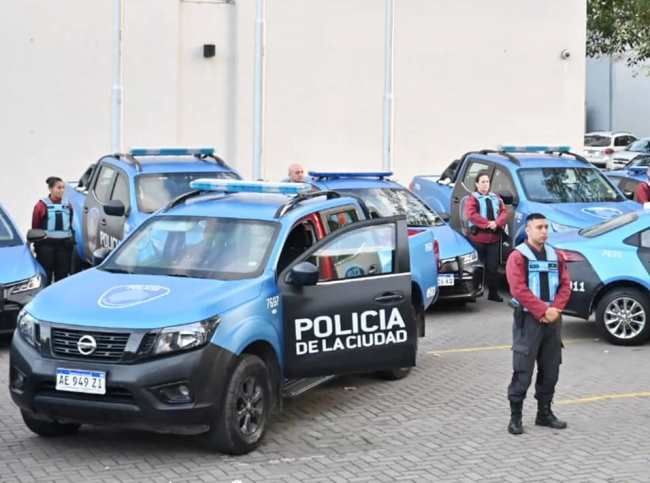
[540, 287]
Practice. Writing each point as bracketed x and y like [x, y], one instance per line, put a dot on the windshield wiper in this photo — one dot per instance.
[116, 270]
[181, 275]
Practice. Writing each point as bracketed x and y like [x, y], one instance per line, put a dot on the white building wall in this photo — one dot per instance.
[468, 74]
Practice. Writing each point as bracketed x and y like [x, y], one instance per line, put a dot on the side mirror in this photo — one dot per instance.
[99, 255]
[304, 273]
[445, 217]
[507, 197]
[36, 234]
[114, 208]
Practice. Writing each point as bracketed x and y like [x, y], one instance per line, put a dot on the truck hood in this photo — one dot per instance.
[583, 215]
[16, 263]
[452, 243]
[96, 298]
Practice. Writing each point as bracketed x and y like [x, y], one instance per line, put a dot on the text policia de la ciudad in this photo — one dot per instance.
[370, 328]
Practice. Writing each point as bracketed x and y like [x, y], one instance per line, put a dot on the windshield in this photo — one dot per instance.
[156, 190]
[8, 235]
[640, 146]
[567, 185]
[220, 248]
[597, 141]
[397, 201]
[609, 225]
[640, 161]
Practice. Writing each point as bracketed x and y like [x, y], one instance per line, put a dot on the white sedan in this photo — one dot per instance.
[601, 147]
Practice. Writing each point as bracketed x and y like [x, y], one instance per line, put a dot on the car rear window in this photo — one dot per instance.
[597, 141]
[609, 225]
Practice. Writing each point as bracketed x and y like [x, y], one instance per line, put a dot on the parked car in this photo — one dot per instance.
[629, 177]
[460, 273]
[21, 276]
[600, 146]
[217, 306]
[638, 148]
[565, 187]
[609, 265]
[118, 192]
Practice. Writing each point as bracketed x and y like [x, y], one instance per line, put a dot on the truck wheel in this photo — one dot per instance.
[623, 316]
[49, 428]
[402, 372]
[241, 422]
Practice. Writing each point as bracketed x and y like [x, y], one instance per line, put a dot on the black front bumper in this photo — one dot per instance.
[469, 283]
[10, 307]
[131, 399]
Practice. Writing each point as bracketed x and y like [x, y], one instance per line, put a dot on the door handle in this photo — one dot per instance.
[388, 297]
[85, 209]
[102, 222]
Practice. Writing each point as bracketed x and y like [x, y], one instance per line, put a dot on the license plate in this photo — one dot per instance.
[446, 280]
[76, 380]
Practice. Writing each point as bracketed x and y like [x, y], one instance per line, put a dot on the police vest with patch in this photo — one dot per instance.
[483, 201]
[536, 268]
[57, 219]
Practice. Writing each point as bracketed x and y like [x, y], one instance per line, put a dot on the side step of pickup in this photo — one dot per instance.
[295, 387]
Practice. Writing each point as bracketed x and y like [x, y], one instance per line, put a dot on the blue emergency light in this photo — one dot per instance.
[171, 151]
[637, 169]
[238, 186]
[534, 149]
[353, 174]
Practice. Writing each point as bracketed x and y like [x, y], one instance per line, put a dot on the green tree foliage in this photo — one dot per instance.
[619, 27]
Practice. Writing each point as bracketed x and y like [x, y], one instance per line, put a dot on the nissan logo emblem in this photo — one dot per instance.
[86, 345]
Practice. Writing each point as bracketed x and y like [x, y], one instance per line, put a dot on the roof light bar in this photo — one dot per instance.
[637, 169]
[353, 174]
[171, 151]
[534, 149]
[237, 186]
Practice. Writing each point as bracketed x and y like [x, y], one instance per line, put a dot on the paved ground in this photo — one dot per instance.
[446, 422]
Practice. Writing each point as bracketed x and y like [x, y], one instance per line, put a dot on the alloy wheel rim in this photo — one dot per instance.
[625, 318]
[250, 406]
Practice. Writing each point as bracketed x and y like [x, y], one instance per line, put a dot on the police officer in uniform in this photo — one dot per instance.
[485, 215]
[540, 287]
[55, 217]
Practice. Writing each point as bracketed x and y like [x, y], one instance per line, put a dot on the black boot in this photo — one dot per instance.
[495, 297]
[545, 416]
[515, 426]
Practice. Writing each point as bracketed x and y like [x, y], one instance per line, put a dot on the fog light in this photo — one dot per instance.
[175, 393]
[18, 381]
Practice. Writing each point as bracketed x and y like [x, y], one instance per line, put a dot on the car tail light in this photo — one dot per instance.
[436, 252]
[569, 256]
[414, 231]
[608, 151]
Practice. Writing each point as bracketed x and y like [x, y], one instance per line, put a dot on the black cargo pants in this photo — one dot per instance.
[534, 342]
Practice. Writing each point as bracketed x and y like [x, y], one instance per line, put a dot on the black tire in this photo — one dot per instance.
[402, 372]
[240, 425]
[623, 316]
[49, 429]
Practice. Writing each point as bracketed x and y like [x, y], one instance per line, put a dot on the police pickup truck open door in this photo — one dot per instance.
[347, 303]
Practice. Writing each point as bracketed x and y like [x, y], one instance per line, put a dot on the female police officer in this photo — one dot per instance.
[486, 215]
[55, 217]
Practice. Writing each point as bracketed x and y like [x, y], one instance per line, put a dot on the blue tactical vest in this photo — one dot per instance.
[537, 267]
[57, 220]
[483, 207]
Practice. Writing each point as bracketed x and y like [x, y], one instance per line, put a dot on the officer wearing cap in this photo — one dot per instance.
[54, 216]
[486, 216]
[540, 286]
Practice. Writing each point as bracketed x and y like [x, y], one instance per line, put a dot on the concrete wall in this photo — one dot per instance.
[629, 88]
[468, 74]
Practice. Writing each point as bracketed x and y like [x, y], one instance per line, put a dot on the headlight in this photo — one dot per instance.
[24, 286]
[27, 327]
[469, 258]
[184, 337]
[559, 227]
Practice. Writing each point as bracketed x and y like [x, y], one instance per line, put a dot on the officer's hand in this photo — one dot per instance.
[552, 314]
[492, 225]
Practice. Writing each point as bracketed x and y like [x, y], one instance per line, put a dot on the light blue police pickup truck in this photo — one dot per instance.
[119, 192]
[230, 298]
